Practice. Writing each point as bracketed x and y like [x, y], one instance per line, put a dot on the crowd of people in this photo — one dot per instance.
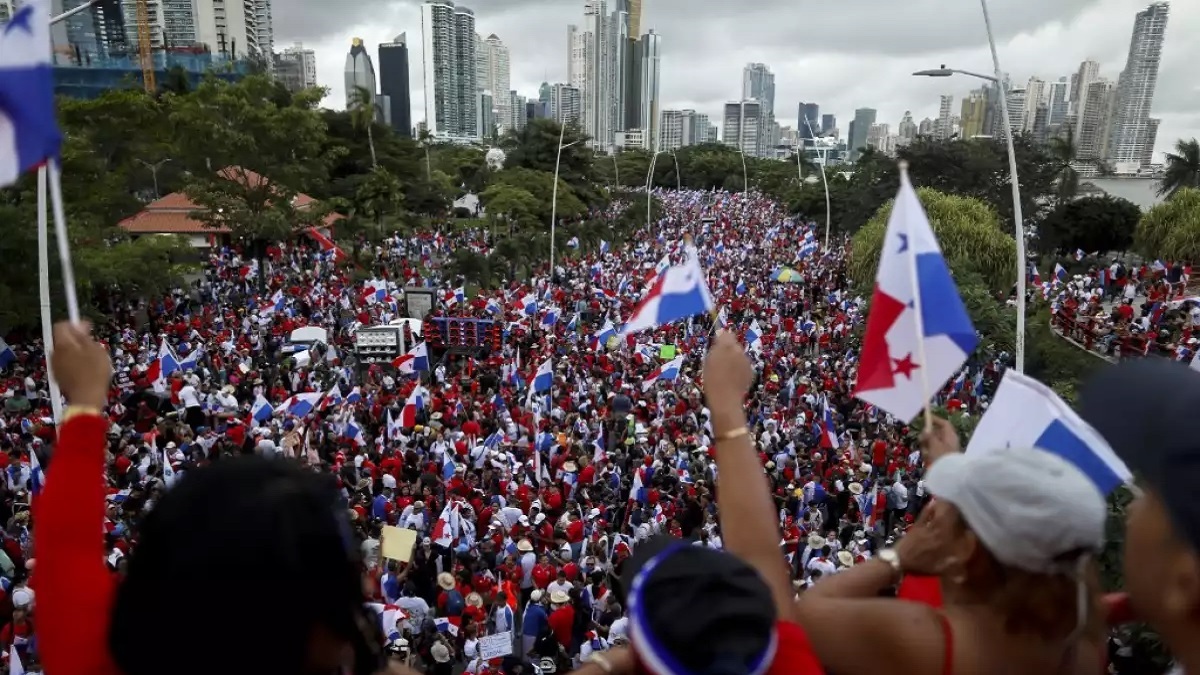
[1121, 310]
[529, 502]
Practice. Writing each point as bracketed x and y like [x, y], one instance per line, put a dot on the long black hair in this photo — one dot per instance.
[237, 568]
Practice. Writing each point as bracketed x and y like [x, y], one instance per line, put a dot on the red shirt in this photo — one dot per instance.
[562, 621]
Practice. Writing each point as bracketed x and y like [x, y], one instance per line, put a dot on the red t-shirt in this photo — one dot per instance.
[794, 655]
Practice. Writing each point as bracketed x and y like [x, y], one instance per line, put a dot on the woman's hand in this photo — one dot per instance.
[939, 439]
[924, 549]
[81, 365]
[727, 373]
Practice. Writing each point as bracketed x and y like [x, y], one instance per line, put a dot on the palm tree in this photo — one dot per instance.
[1062, 150]
[1183, 168]
[362, 113]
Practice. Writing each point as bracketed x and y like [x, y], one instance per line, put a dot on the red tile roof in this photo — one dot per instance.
[172, 214]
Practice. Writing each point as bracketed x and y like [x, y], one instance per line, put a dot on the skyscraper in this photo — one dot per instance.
[758, 84]
[808, 120]
[973, 114]
[943, 128]
[907, 131]
[493, 75]
[449, 70]
[566, 102]
[1135, 89]
[360, 76]
[1035, 97]
[743, 124]
[864, 119]
[828, 124]
[296, 67]
[649, 58]
[394, 84]
[596, 77]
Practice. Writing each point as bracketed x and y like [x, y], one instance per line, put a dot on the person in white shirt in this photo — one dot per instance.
[560, 584]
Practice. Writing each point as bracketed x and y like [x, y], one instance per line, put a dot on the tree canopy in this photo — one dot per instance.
[967, 229]
[1101, 223]
[1171, 230]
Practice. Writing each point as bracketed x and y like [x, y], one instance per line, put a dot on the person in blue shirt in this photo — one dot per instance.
[379, 504]
[533, 622]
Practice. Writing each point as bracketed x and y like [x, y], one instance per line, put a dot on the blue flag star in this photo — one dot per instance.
[903, 242]
[20, 20]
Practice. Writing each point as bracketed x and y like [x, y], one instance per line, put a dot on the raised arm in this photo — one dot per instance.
[749, 521]
[75, 589]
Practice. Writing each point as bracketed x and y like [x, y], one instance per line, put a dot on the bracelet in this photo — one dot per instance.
[80, 410]
[731, 435]
[601, 661]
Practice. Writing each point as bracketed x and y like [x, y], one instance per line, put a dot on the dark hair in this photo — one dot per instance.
[249, 556]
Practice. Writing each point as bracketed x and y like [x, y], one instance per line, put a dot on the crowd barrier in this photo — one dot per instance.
[1082, 332]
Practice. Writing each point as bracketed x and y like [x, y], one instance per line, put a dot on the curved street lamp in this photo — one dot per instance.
[562, 129]
[824, 179]
[1014, 179]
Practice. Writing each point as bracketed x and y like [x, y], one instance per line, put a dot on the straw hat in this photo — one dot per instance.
[559, 598]
[845, 558]
[570, 467]
[856, 488]
[524, 546]
[475, 600]
[816, 541]
[445, 581]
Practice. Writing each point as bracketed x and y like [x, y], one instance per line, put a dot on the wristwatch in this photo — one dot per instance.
[889, 556]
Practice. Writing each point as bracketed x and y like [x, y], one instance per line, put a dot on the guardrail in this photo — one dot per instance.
[1108, 346]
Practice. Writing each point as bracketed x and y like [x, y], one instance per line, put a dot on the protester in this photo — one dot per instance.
[497, 481]
[1162, 541]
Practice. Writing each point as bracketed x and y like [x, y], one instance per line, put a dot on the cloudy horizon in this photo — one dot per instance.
[839, 65]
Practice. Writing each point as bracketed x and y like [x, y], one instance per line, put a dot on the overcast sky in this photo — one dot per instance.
[860, 56]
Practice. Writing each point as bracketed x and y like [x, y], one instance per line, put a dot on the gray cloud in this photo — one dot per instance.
[860, 55]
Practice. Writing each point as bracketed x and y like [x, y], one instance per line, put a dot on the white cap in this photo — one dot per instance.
[1027, 506]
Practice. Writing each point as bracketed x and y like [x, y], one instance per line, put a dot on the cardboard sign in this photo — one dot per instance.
[495, 646]
[397, 543]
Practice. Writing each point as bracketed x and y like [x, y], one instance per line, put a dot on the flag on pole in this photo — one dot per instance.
[665, 373]
[678, 293]
[1027, 413]
[447, 527]
[29, 134]
[918, 332]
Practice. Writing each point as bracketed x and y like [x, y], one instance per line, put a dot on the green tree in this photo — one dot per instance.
[1101, 223]
[967, 229]
[1171, 230]
[251, 157]
[515, 205]
[473, 267]
[540, 185]
[380, 195]
[536, 148]
[1183, 168]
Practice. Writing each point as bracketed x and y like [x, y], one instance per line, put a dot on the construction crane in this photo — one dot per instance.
[145, 54]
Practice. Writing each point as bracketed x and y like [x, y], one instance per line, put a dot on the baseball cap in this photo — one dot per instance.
[1145, 409]
[1029, 507]
[693, 609]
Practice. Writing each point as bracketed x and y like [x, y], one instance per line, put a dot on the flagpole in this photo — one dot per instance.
[44, 292]
[918, 318]
[64, 243]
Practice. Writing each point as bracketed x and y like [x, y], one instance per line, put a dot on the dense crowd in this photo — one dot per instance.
[526, 500]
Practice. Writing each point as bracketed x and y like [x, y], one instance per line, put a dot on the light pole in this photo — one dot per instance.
[1018, 218]
[616, 169]
[154, 172]
[678, 177]
[824, 179]
[745, 176]
[554, 193]
[649, 179]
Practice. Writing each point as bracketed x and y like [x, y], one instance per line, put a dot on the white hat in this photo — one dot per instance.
[440, 652]
[855, 488]
[1027, 506]
[539, 519]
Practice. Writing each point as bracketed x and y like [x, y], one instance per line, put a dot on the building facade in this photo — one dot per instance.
[566, 104]
[360, 77]
[449, 70]
[864, 118]
[494, 75]
[394, 84]
[1132, 128]
[743, 124]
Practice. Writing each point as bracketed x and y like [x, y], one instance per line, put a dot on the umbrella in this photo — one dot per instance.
[786, 275]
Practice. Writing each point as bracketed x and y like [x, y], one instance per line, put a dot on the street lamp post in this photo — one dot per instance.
[616, 169]
[649, 181]
[1014, 180]
[154, 172]
[824, 179]
[554, 192]
[678, 178]
[745, 176]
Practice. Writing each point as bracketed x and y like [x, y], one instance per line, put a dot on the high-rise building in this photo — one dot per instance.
[634, 8]
[360, 77]
[394, 84]
[1089, 71]
[758, 84]
[1135, 90]
[1035, 97]
[808, 121]
[517, 118]
[829, 125]
[1095, 123]
[307, 59]
[1058, 106]
[943, 129]
[649, 60]
[907, 131]
[743, 124]
[878, 136]
[450, 70]
[670, 130]
[493, 74]
[1016, 110]
[485, 115]
[863, 119]
[973, 113]
[682, 127]
[566, 104]
[926, 128]
[596, 82]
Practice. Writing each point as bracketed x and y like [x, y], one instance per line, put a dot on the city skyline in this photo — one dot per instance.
[702, 64]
